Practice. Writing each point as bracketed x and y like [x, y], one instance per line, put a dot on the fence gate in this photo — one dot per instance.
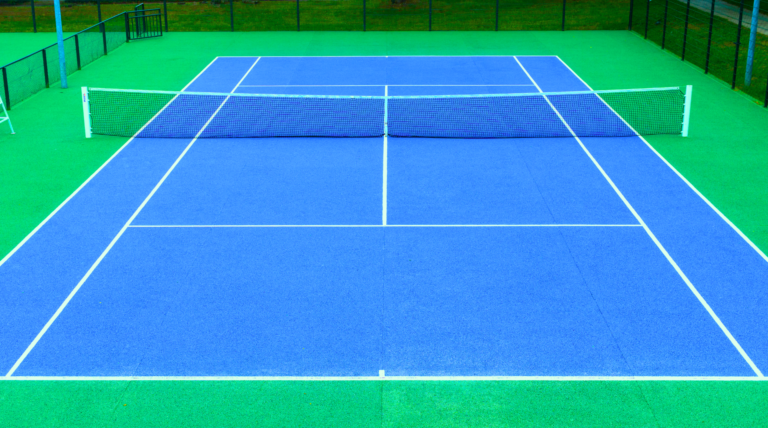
[143, 24]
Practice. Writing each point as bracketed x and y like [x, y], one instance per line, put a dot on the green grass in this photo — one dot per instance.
[382, 404]
[723, 47]
[725, 158]
[344, 15]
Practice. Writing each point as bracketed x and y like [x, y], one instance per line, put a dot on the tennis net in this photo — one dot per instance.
[165, 114]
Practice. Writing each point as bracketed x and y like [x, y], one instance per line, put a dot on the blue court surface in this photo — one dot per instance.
[394, 257]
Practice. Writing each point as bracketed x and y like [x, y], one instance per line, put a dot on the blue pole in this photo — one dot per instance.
[60, 39]
[752, 37]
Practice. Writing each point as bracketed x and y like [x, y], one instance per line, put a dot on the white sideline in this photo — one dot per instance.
[704, 198]
[61, 205]
[119, 234]
[387, 378]
[669, 258]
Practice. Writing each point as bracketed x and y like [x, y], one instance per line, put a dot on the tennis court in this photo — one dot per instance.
[369, 257]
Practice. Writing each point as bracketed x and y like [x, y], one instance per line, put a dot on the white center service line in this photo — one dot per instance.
[119, 234]
[661, 248]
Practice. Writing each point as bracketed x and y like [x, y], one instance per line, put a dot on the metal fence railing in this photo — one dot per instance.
[340, 15]
[24, 77]
[711, 34]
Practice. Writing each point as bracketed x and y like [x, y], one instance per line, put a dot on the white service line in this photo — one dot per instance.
[181, 226]
[669, 258]
[117, 237]
[61, 205]
[387, 56]
[387, 378]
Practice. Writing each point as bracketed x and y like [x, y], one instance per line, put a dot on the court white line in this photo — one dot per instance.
[384, 184]
[385, 56]
[181, 226]
[61, 205]
[661, 248]
[685, 180]
[376, 86]
[386, 379]
[117, 237]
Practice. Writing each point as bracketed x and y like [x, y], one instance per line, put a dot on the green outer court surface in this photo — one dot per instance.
[725, 157]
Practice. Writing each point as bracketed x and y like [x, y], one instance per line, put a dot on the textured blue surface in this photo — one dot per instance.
[506, 181]
[266, 302]
[273, 181]
[408, 300]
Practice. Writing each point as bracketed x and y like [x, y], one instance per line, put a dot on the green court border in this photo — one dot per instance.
[725, 158]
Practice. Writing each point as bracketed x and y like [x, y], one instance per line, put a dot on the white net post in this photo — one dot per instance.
[86, 113]
[6, 118]
[687, 109]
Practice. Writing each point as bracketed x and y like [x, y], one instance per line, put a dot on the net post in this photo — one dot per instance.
[5, 89]
[664, 30]
[631, 11]
[86, 112]
[709, 37]
[45, 67]
[685, 31]
[647, 13]
[562, 25]
[687, 109]
[7, 118]
[738, 42]
[77, 51]
[34, 18]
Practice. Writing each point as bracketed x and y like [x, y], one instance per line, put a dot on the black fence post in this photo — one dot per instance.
[647, 13]
[562, 26]
[165, 14]
[664, 30]
[5, 88]
[709, 37]
[77, 51]
[127, 28]
[298, 17]
[364, 10]
[34, 19]
[685, 31]
[103, 30]
[738, 43]
[497, 15]
[430, 15]
[232, 15]
[45, 67]
[764, 105]
[98, 9]
[631, 11]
